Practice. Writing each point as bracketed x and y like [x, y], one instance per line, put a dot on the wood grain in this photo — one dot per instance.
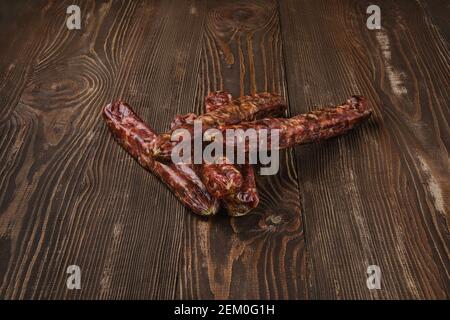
[69, 194]
[19, 51]
[379, 195]
[262, 255]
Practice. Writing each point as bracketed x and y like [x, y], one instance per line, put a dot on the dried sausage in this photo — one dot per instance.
[313, 126]
[246, 108]
[234, 184]
[246, 198]
[221, 178]
[135, 136]
[217, 99]
[180, 120]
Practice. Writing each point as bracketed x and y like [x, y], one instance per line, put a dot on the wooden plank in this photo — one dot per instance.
[435, 14]
[18, 49]
[70, 195]
[380, 195]
[262, 255]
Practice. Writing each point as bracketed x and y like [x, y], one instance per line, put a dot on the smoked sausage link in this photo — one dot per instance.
[313, 126]
[221, 178]
[246, 108]
[136, 137]
[216, 100]
[245, 197]
[234, 184]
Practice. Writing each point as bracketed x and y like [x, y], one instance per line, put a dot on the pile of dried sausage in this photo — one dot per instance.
[204, 187]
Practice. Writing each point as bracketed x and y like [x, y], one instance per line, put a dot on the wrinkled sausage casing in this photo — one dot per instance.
[221, 178]
[313, 126]
[317, 125]
[180, 120]
[135, 137]
[217, 99]
[246, 108]
[246, 197]
[262, 105]
[330, 122]
[234, 184]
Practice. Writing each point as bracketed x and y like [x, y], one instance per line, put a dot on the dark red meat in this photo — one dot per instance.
[246, 108]
[234, 184]
[135, 137]
[313, 126]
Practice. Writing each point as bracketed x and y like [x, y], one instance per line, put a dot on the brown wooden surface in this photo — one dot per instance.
[70, 195]
[261, 255]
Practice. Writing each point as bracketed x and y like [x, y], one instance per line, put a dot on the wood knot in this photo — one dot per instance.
[241, 15]
[274, 219]
[264, 220]
[273, 222]
[277, 221]
[244, 17]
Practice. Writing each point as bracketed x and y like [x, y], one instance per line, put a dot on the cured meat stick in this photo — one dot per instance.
[220, 178]
[311, 127]
[246, 108]
[217, 99]
[234, 184]
[246, 197]
[181, 120]
[135, 136]
[318, 125]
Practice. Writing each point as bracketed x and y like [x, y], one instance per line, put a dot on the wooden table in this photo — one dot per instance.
[70, 196]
